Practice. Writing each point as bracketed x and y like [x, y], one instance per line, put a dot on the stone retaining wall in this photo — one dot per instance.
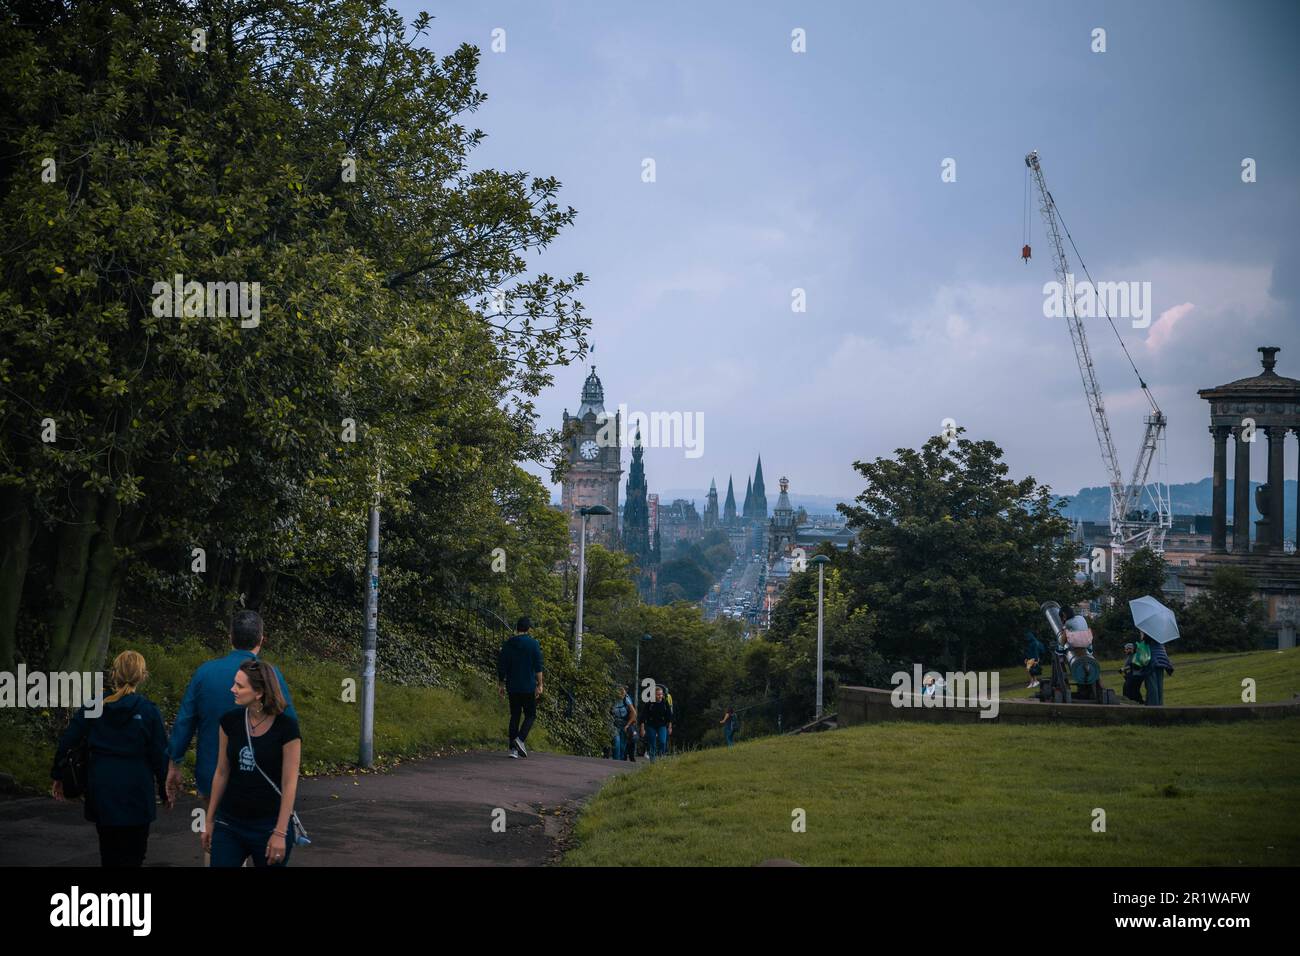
[862, 705]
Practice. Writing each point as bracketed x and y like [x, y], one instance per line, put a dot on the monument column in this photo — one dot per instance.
[1276, 486]
[1241, 495]
[1219, 530]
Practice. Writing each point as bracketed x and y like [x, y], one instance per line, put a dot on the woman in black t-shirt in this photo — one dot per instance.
[246, 816]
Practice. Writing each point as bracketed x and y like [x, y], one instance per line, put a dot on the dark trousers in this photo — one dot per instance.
[524, 704]
[1133, 687]
[122, 846]
[235, 840]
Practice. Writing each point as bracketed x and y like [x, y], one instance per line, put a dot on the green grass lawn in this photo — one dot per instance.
[1213, 677]
[409, 721]
[949, 794]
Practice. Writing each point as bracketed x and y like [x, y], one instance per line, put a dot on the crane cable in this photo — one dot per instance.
[1104, 311]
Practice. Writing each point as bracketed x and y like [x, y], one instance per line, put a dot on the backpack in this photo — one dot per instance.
[1141, 654]
[75, 770]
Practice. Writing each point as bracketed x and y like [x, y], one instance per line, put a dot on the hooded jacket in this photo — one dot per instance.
[128, 761]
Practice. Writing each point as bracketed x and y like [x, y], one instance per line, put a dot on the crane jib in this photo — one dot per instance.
[1128, 527]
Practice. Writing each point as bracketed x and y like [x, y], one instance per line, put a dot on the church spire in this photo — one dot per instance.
[760, 493]
[729, 509]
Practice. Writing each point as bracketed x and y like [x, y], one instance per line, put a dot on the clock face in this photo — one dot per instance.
[589, 449]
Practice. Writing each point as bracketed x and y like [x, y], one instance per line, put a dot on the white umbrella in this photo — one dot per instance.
[1154, 619]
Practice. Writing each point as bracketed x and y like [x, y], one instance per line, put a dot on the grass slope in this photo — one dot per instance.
[409, 721]
[944, 794]
[1213, 677]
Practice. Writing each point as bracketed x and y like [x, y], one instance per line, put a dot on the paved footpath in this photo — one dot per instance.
[435, 812]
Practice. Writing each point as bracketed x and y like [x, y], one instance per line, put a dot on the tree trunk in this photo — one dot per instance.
[98, 590]
[15, 548]
[104, 628]
[232, 594]
[72, 556]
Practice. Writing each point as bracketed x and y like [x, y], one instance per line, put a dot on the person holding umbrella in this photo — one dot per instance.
[1158, 627]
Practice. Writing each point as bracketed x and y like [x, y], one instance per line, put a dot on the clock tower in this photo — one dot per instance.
[591, 443]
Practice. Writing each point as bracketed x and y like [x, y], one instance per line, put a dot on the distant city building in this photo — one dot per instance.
[729, 509]
[637, 536]
[680, 521]
[756, 497]
[711, 519]
[595, 465]
[781, 532]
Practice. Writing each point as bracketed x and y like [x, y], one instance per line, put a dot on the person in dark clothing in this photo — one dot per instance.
[519, 674]
[1155, 680]
[658, 716]
[256, 780]
[127, 772]
[207, 699]
[728, 722]
[1134, 676]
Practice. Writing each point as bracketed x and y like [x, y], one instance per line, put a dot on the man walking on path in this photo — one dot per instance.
[519, 674]
[208, 697]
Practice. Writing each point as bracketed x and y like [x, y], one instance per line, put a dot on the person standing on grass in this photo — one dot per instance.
[1034, 652]
[207, 699]
[728, 722]
[659, 719]
[519, 674]
[1134, 675]
[1156, 670]
[127, 764]
[623, 716]
[256, 780]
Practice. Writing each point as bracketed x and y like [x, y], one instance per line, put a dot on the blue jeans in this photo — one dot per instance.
[1156, 686]
[619, 749]
[234, 839]
[727, 732]
[657, 741]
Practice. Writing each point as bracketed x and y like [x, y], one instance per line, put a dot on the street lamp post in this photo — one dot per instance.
[821, 561]
[636, 691]
[582, 575]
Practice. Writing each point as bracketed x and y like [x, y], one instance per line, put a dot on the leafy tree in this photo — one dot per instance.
[691, 581]
[318, 151]
[1140, 574]
[1228, 615]
[954, 557]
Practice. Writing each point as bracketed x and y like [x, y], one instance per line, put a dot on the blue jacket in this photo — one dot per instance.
[128, 761]
[519, 663]
[1160, 657]
[206, 699]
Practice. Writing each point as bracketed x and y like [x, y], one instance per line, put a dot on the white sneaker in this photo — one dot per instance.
[514, 754]
[519, 745]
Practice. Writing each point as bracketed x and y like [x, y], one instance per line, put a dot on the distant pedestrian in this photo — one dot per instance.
[250, 812]
[729, 725]
[1134, 675]
[127, 765]
[657, 725]
[519, 674]
[207, 699]
[1034, 651]
[1155, 678]
[622, 716]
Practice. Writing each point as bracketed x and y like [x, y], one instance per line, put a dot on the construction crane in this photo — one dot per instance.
[1131, 526]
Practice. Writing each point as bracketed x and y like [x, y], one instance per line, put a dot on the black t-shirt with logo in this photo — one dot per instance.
[248, 796]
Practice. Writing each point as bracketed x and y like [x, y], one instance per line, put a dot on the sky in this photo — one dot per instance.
[823, 171]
